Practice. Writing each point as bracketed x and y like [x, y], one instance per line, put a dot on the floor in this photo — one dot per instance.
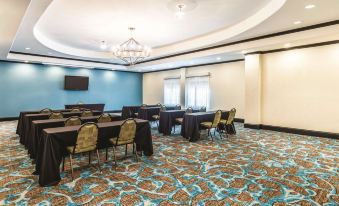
[254, 167]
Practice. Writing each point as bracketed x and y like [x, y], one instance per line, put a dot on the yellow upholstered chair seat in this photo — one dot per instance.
[157, 117]
[75, 110]
[223, 121]
[206, 124]
[121, 141]
[87, 149]
[179, 120]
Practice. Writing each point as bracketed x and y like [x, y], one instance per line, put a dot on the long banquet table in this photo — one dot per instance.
[190, 128]
[99, 107]
[37, 127]
[28, 118]
[21, 126]
[54, 141]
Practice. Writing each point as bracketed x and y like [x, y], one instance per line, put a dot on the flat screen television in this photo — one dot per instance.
[76, 83]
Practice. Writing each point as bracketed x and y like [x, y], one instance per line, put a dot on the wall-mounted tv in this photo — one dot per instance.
[76, 83]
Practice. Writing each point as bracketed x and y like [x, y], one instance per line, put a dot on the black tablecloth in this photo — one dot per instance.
[191, 124]
[28, 118]
[167, 120]
[129, 111]
[52, 146]
[38, 125]
[147, 113]
[99, 107]
[21, 126]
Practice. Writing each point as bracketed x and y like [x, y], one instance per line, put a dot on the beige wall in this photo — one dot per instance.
[227, 84]
[300, 89]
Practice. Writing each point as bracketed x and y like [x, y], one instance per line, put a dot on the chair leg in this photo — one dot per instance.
[235, 132]
[135, 153]
[115, 160]
[63, 164]
[71, 164]
[89, 158]
[126, 150]
[98, 157]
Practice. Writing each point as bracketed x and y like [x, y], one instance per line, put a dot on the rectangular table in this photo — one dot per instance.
[28, 118]
[21, 126]
[53, 143]
[38, 125]
[99, 107]
[190, 128]
[148, 112]
[129, 111]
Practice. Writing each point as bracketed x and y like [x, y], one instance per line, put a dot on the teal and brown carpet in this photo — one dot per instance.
[251, 168]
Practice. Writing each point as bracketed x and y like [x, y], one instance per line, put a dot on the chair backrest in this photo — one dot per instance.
[46, 111]
[75, 110]
[73, 121]
[104, 118]
[127, 131]
[178, 107]
[217, 118]
[87, 113]
[56, 115]
[162, 108]
[143, 105]
[189, 110]
[87, 138]
[202, 109]
[231, 116]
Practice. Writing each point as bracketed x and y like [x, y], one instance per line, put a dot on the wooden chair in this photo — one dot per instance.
[212, 125]
[87, 113]
[225, 123]
[156, 117]
[104, 118]
[73, 121]
[179, 121]
[86, 142]
[46, 111]
[126, 136]
[56, 115]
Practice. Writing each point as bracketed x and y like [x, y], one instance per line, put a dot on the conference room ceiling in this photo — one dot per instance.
[70, 32]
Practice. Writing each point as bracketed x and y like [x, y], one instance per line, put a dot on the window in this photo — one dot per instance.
[197, 92]
[172, 91]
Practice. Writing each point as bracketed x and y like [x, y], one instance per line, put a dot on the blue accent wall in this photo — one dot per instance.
[33, 87]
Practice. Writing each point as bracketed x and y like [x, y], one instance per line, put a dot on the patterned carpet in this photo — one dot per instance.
[250, 168]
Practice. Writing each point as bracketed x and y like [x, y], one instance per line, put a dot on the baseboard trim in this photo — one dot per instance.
[3, 119]
[239, 120]
[252, 126]
[293, 130]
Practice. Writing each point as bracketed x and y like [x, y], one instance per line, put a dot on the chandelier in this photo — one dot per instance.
[131, 51]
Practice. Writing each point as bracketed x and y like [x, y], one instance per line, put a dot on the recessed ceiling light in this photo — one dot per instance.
[27, 48]
[218, 58]
[26, 61]
[287, 45]
[310, 6]
[243, 52]
[297, 22]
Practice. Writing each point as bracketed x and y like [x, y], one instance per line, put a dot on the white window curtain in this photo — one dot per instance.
[172, 91]
[197, 92]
